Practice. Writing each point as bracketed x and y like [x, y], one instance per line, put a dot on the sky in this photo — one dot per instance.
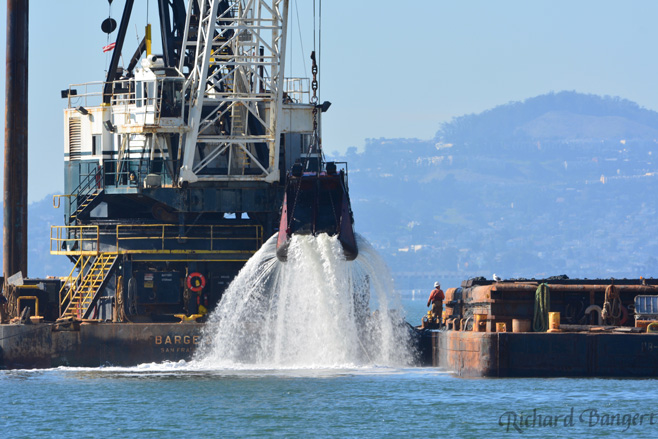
[391, 69]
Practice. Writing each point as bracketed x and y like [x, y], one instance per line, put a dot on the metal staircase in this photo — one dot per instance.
[85, 194]
[84, 203]
[82, 290]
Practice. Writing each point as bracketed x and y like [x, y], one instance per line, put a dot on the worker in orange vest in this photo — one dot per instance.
[436, 299]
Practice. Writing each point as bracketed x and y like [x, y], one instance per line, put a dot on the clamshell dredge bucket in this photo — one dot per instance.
[315, 203]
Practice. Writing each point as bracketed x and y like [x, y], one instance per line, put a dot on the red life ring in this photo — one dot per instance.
[198, 283]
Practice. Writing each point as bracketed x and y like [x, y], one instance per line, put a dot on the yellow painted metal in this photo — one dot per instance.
[57, 199]
[188, 319]
[82, 289]
[188, 260]
[148, 39]
[184, 252]
[92, 264]
[88, 200]
[36, 303]
[165, 233]
[68, 286]
[28, 287]
[84, 240]
[479, 322]
[553, 322]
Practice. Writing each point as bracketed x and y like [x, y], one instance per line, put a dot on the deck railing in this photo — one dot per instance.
[155, 238]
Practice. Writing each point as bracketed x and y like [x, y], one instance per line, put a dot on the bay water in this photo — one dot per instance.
[308, 373]
[174, 401]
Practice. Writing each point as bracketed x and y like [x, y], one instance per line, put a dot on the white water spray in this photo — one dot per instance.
[315, 310]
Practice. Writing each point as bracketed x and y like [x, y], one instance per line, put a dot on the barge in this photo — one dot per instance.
[94, 344]
[496, 329]
[176, 168]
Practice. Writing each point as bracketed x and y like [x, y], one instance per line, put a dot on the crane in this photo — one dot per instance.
[176, 163]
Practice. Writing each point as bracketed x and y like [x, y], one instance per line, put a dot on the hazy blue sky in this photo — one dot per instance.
[390, 68]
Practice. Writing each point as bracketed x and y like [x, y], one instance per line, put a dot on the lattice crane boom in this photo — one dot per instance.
[234, 89]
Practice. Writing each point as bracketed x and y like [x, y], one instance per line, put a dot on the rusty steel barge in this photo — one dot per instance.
[176, 168]
[548, 328]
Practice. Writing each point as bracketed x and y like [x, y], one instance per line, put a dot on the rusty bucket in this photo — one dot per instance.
[521, 325]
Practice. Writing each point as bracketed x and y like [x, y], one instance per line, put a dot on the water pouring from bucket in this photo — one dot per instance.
[314, 310]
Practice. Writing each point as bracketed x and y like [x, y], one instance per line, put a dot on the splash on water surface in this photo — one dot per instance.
[315, 310]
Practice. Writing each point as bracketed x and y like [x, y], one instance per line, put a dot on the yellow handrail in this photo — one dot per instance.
[58, 199]
[85, 240]
[163, 236]
[71, 280]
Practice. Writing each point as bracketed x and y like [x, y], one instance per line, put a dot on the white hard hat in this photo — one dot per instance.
[437, 285]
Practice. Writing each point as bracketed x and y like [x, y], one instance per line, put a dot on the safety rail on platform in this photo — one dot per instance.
[130, 94]
[87, 94]
[137, 173]
[118, 173]
[124, 92]
[156, 239]
[74, 240]
[298, 90]
[198, 238]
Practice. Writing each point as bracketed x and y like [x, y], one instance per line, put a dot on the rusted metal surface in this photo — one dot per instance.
[505, 301]
[453, 302]
[586, 353]
[530, 288]
[452, 294]
[15, 169]
[466, 353]
[488, 293]
[96, 344]
[546, 354]
[559, 280]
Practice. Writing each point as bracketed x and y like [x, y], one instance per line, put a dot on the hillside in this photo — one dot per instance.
[565, 116]
[561, 183]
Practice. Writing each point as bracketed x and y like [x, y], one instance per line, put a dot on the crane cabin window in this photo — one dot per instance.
[150, 92]
[172, 92]
[139, 94]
